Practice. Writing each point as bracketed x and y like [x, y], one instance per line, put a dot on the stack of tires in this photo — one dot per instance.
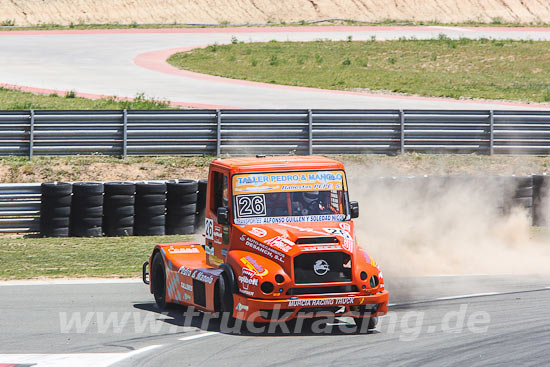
[150, 209]
[181, 207]
[118, 208]
[201, 204]
[87, 209]
[519, 193]
[55, 209]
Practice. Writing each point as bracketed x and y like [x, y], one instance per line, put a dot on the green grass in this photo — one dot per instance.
[487, 69]
[11, 99]
[24, 258]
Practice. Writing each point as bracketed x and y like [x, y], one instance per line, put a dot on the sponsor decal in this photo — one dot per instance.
[187, 287]
[282, 243]
[280, 220]
[186, 297]
[253, 265]
[348, 244]
[338, 232]
[215, 260]
[288, 181]
[263, 249]
[185, 271]
[209, 228]
[196, 274]
[321, 267]
[224, 252]
[247, 292]
[241, 307]
[218, 237]
[183, 250]
[246, 281]
[248, 272]
[321, 247]
[209, 249]
[348, 240]
[345, 226]
[321, 302]
[259, 232]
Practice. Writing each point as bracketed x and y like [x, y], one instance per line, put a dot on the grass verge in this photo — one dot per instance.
[11, 99]
[25, 258]
[487, 69]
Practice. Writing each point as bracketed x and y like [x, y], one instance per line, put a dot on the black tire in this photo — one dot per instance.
[158, 281]
[151, 199]
[55, 189]
[119, 188]
[143, 211]
[150, 188]
[180, 230]
[370, 321]
[182, 187]
[88, 188]
[55, 212]
[226, 300]
[181, 199]
[186, 209]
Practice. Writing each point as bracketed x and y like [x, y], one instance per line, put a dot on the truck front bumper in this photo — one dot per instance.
[341, 305]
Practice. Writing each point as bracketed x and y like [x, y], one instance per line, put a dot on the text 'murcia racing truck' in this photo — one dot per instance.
[279, 236]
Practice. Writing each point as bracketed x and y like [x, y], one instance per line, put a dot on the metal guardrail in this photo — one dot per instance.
[19, 207]
[214, 132]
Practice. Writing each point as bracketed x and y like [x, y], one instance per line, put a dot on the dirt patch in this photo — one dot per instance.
[32, 12]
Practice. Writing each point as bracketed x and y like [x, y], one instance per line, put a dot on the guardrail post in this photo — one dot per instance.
[124, 133]
[310, 132]
[491, 132]
[31, 136]
[402, 131]
[218, 133]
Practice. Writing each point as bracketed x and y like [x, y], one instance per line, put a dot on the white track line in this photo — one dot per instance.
[70, 281]
[197, 336]
[73, 359]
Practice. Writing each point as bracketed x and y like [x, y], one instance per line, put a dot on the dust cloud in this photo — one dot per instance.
[421, 226]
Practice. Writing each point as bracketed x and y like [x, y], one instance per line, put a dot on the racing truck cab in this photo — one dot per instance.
[279, 244]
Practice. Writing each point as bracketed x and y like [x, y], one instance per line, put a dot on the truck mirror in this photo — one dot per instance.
[354, 209]
[223, 215]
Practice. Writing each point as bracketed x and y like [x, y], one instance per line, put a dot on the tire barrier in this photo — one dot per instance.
[201, 204]
[150, 209]
[87, 209]
[118, 208]
[181, 206]
[55, 209]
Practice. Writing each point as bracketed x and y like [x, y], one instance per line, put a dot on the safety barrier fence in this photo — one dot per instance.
[215, 132]
[20, 204]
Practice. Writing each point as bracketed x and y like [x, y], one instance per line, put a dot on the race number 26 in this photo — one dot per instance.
[251, 205]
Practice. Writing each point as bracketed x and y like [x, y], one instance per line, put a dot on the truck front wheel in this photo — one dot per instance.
[158, 280]
[226, 301]
[360, 322]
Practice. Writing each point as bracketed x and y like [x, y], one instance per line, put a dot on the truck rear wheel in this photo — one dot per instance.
[372, 321]
[158, 280]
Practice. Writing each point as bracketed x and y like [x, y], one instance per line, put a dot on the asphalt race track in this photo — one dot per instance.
[124, 63]
[452, 320]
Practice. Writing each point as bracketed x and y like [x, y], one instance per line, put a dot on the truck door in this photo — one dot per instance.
[217, 235]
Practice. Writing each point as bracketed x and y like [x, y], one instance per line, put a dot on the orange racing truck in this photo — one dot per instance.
[279, 235]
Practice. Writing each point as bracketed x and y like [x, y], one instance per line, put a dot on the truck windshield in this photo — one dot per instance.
[304, 196]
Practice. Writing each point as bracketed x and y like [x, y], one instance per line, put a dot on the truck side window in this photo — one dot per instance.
[221, 192]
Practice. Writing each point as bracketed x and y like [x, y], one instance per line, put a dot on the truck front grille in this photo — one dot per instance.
[322, 290]
[322, 267]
